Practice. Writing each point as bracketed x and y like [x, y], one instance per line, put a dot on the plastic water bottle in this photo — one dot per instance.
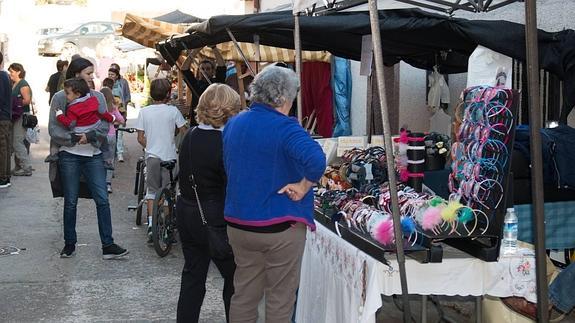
[510, 232]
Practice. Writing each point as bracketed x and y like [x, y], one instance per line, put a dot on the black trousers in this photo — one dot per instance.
[194, 240]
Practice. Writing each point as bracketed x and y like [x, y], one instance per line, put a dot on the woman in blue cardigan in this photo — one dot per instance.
[271, 163]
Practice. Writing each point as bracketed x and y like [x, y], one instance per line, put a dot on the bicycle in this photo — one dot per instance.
[164, 213]
[139, 183]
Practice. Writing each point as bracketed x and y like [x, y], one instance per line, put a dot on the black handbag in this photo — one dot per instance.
[218, 241]
[29, 121]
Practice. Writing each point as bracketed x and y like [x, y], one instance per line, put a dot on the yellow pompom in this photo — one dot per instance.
[449, 213]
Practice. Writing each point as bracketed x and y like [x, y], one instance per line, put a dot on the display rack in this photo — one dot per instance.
[428, 253]
[484, 246]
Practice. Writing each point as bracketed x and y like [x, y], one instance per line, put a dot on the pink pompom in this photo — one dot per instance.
[384, 232]
[403, 136]
[431, 218]
[403, 175]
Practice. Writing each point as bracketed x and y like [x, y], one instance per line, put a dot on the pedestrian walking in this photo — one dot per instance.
[5, 125]
[271, 164]
[56, 80]
[78, 157]
[110, 154]
[201, 156]
[21, 100]
[121, 89]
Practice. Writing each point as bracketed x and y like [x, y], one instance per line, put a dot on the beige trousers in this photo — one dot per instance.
[270, 263]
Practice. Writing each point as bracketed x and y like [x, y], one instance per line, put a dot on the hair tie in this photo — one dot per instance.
[431, 218]
[449, 213]
[383, 232]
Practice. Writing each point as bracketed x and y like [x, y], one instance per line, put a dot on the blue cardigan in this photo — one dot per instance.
[264, 150]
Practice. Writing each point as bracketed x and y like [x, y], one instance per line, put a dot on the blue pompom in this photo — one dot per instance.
[407, 226]
[337, 216]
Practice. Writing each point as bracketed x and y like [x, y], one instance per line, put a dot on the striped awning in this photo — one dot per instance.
[255, 53]
[148, 31]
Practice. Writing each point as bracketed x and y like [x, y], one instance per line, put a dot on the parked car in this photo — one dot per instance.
[69, 42]
[48, 31]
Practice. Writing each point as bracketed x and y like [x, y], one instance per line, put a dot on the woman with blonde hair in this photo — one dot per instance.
[201, 165]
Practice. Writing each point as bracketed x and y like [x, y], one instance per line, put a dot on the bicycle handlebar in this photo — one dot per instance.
[129, 130]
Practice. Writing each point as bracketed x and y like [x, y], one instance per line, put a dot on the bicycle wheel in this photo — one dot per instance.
[161, 220]
[141, 192]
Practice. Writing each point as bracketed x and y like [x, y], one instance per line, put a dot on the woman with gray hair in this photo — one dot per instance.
[271, 163]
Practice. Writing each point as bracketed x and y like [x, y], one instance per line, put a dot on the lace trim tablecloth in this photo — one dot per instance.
[340, 283]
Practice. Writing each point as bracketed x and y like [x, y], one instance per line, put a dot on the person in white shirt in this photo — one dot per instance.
[156, 126]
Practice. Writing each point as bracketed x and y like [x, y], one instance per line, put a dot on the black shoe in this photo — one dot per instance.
[113, 251]
[68, 251]
[150, 239]
[5, 183]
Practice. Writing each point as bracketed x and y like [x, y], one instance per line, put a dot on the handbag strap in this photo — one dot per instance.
[195, 187]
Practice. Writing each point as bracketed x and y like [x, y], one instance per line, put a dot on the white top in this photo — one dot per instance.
[159, 121]
[82, 150]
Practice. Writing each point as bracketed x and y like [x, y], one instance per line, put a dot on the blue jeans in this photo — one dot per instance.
[562, 290]
[92, 168]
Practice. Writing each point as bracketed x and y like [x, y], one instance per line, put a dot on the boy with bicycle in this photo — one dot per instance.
[156, 125]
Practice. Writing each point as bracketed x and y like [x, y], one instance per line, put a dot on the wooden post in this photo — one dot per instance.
[241, 84]
[180, 85]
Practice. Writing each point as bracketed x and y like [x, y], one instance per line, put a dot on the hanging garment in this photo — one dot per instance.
[341, 83]
[438, 90]
[317, 95]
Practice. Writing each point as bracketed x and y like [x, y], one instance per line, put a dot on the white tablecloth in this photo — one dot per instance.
[340, 283]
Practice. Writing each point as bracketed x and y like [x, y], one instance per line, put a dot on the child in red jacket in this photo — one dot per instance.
[82, 113]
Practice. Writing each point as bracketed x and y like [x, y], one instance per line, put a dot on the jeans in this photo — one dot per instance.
[562, 290]
[120, 143]
[109, 157]
[92, 168]
[5, 149]
[194, 239]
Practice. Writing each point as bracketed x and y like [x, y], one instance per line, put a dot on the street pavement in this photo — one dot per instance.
[37, 285]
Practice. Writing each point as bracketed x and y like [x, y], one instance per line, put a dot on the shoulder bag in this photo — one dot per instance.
[218, 242]
[30, 120]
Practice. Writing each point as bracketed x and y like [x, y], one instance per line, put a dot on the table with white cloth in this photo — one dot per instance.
[340, 283]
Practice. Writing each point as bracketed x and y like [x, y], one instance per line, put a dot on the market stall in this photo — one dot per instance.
[415, 37]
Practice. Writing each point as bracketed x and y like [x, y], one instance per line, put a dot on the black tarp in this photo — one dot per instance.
[412, 35]
[178, 17]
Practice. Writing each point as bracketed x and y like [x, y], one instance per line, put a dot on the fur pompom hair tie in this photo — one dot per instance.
[383, 232]
[431, 218]
[449, 213]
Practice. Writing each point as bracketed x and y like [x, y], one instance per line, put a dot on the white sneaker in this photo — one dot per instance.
[120, 158]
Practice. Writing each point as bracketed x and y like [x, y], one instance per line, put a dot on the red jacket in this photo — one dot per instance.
[84, 113]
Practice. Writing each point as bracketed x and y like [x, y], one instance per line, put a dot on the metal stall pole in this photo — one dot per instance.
[297, 47]
[378, 54]
[532, 47]
[239, 49]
